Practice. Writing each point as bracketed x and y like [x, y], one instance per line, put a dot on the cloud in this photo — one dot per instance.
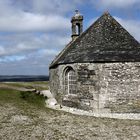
[116, 3]
[36, 15]
[12, 59]
[2, 50]
[32, 58]
[28, 44]
[55, 6]
[39, 6]
[32, 32]
[28, 22]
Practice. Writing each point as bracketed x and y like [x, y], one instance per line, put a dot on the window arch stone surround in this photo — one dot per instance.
[69, 80]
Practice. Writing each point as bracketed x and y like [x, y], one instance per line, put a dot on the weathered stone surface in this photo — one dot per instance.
[109, 87]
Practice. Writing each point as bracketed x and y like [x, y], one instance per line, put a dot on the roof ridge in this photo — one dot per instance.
[73, 41]
[107, 21]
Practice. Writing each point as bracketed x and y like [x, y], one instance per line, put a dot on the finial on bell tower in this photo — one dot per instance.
[77, 25]
[77, 13]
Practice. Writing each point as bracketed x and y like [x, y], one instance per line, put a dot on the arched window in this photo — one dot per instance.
[70, 81]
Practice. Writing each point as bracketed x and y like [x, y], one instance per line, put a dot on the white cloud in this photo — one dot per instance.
[116, 3]
[2, 50]
[12, 59]
[56, 41]
[36, 15]
[55, 6]
[48, 52]
[26, 22]
[6, 8]
[30, 54]
[28, 43]
[34, 32]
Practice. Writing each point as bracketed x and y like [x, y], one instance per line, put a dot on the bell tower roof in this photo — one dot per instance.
[77, 16]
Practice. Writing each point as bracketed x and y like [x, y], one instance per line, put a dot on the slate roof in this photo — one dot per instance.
[104, 41]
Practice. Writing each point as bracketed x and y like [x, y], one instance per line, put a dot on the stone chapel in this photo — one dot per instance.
[99, 70]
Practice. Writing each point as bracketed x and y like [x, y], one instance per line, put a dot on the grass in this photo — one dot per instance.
[21, 99]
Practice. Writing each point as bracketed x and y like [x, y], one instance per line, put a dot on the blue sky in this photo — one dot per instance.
[33, 32]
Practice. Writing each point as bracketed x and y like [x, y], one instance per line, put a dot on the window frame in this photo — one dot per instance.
[70, 81]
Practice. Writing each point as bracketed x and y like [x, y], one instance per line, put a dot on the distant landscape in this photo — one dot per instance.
[23, 78]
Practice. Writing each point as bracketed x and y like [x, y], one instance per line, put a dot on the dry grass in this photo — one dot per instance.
[27, 118]
[29, 85]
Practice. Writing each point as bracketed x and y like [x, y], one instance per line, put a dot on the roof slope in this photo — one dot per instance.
[104, 41]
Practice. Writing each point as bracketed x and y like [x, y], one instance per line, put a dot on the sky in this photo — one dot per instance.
[33, 32]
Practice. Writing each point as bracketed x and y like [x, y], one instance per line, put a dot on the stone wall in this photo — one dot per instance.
[101, 87]
[120, 87]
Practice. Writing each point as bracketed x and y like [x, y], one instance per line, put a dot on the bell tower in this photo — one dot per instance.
[77, 25]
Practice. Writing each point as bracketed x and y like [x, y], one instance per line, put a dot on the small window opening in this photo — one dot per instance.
[70, 81]
[78, 29]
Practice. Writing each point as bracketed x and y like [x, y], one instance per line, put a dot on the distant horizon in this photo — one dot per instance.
[23, 78]
[24, 75]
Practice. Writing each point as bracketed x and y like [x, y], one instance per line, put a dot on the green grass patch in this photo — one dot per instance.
[21, 99]
[7, 95]
[32, 98]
